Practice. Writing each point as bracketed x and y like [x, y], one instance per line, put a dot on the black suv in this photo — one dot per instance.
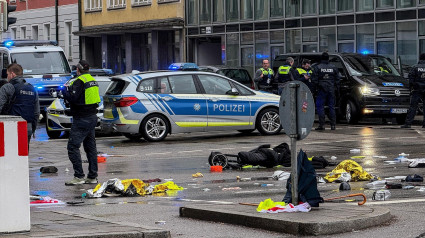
[370, 85]
[238, 74]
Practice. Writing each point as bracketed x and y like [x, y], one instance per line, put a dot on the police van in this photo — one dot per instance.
[44, 65]
[370, 85]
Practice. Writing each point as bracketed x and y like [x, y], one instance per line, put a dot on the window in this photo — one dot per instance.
[232, 10]
[277, 37]
[141, 2]
[422, 45]
[406, 42]
[247, 38]
[205, 14]
[147, 86]
[93, 5]
[14, 33]
[261, 9]
[421, 29]
[346, 47]
[327, 39]
[345, 5]
[34, 32]
[166, 1]
[422, 2]
[346, 33]
[293, 40]
[182, 84]
[215, 85]
[164, 85]
[23, 33]
[232, 49]
[116, 3]
[68, 39]
[364, 5]
[247, 58]
[46, 31]
[309, 7]
[292, 8]
[192, 12]
[406, 3]
[327, 7]
[384, 3]
[261, 48]
[246, 10]
[5, 61]
[310, 40]
[218, 10]
[365, 39]
[385, 30]
[276, 8]
[242, 90]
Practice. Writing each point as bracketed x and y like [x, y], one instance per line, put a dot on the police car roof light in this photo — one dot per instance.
[10, 43]
[183, 66]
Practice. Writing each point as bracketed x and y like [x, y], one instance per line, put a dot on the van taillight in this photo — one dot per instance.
[126, 102]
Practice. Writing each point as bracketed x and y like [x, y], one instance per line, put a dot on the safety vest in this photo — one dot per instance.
[91, 89]
[284, 69]
[267, 74]
[302, 71]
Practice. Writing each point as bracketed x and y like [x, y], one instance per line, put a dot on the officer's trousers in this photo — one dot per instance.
[329, 98]
[83, 131]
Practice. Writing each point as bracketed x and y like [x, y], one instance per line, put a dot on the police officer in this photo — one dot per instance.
[417, 85]
[305, 73]
[326, 81]
[82, 94]
[19, 98]
[284, 74]
[264, 77]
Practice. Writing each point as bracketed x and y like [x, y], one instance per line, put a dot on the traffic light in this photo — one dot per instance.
[6, 19]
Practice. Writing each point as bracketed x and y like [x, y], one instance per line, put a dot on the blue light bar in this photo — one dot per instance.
[365, 52]
[8, 43]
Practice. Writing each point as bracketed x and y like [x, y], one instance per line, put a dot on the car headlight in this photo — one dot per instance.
[368, 91]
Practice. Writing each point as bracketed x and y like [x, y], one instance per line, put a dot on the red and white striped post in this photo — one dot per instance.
[14, 175]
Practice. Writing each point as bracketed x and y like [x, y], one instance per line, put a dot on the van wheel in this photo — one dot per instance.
[268, 122]
[401, 119]
[351, 114]
[155, 128]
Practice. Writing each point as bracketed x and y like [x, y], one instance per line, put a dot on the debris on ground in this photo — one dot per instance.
[39, 200]
[280, 175]
[49, 169]
[348, 166]
[354, 151]
[231, 188]
[197, 175]
[414, 178]
[381, 195]
[344, 186]
[269, 206]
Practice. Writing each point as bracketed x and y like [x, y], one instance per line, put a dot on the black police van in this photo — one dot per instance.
[370, 85]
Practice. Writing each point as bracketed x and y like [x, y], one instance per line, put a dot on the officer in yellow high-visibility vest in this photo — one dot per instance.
[304, 74]
[82, 94]
[284, 74]
[264, 77]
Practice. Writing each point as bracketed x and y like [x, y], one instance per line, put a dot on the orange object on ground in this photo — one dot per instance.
[101, 159]
[216, 168]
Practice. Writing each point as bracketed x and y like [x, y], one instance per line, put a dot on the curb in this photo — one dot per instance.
[331, 219]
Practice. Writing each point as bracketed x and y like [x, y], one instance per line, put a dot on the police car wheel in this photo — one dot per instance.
[268, 122]
[53, 134]
[132, 136]
[155, 128]
[351, 113]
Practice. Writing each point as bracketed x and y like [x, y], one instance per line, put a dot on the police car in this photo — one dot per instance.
[58, 118]
[154, 104]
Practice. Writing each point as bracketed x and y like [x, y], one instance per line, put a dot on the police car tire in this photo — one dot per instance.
[53, 134]
[259, 126]
[161, 120]
[132, 136]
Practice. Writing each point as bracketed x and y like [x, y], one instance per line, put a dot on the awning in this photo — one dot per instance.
[131, 27]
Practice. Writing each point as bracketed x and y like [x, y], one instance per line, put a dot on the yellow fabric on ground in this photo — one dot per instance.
[357, 172]
[170, 185]
[137, 183]
[267, 204]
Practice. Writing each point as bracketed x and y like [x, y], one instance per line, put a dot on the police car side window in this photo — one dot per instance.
[215, 85]
[182, 84]
[147, 86]
[164, 85]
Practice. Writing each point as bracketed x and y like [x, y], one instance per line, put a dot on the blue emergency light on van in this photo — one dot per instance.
[392, 84]
[183, 66]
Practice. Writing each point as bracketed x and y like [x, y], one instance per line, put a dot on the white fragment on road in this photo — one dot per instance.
[163, 153]
[189, 151]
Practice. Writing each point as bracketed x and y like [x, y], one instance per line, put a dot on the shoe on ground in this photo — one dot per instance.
[91, 181]
[405, 126]
[320, 128]
[75, 181]
[333, 128]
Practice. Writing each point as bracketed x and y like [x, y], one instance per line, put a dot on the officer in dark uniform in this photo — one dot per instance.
[82, 94]
[284, 74]
[417, 85]
[264, 77]
[326, 81]
[305, 73]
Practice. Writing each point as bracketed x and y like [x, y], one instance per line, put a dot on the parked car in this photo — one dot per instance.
[58, 119]
[238, 74]
[154, 104]
[370, 85]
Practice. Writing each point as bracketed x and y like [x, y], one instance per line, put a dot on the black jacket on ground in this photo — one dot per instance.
[266, 157]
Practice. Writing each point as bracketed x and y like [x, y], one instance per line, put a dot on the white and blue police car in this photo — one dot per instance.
[154, 104]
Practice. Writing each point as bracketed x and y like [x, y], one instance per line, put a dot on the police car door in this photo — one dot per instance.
[186, 107]
[225, 111]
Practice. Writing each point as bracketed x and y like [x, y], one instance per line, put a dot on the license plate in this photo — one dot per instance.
[399, 110]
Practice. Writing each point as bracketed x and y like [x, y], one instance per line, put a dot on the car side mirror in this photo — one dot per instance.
[4, 73]
[233, 91]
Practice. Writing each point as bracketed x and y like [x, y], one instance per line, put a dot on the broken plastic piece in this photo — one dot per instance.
[231, 188]
[101, 159]
[197, 175]
[355, 151]
[216, 168]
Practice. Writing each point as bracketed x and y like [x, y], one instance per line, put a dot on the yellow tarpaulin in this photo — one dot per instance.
[267, 204]
[350, 166]
[170, 185]
[137, 183]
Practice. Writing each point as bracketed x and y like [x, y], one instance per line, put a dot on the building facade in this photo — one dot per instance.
[244, 32]
[36, 19]
[126, 35]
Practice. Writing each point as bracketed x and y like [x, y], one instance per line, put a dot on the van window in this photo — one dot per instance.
[336, 61]
[371, 65]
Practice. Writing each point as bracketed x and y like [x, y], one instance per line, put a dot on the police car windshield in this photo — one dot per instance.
[53, 62]
[371, 65]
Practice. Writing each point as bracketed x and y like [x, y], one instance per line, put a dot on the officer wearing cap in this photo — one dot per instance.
[264, 77]
[305, 73]
[325, 80]
[417, 85]
[82, 94]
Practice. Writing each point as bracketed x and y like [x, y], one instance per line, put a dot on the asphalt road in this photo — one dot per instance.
[180, 156]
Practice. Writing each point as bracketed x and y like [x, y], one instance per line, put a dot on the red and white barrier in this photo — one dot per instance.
[14, 175]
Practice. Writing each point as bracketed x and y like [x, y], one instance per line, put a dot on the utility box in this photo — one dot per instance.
[14, 175]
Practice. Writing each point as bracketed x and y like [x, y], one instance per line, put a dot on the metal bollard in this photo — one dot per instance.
[14, 175]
